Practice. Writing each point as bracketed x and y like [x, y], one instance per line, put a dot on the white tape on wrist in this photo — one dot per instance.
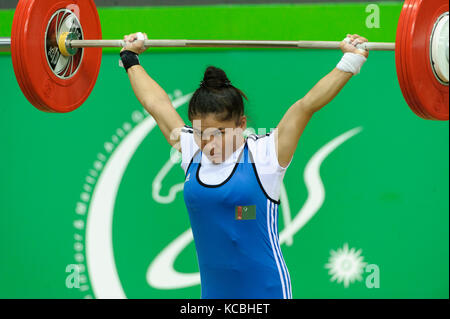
[351, 62]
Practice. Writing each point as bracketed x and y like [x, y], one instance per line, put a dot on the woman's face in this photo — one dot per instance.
[218, 139]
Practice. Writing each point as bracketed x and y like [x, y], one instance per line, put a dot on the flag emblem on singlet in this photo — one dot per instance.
[245, 212]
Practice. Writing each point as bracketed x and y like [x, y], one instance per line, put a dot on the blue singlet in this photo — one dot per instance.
[235, 228]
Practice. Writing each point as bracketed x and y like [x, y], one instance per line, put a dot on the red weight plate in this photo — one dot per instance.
[426, 96]
[51, 82]
[432, 95]
[401, 56]
[16, 48]
[422, 95]
[17, 40]
[419, 111]
[403, 30]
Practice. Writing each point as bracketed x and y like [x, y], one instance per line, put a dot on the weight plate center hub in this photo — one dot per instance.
[64, 24]
[439, 49]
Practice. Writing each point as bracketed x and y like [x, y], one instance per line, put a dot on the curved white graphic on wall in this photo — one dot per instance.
[103, 275]
[314, 185]
[161, 273]
[175, 158]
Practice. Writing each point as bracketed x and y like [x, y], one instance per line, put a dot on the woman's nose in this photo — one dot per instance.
[212, 144]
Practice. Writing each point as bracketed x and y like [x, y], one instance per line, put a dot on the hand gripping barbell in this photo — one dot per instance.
[57, 67]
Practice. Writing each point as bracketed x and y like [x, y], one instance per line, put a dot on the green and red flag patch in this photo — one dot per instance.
[245, 212]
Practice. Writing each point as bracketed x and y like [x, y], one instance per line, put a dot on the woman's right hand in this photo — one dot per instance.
[135, 42]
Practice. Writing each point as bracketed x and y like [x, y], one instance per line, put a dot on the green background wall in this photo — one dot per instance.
[386, 187]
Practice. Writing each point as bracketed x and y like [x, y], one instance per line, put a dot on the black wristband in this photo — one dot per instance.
[129, 59]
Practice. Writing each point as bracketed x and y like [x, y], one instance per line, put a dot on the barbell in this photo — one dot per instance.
[56, 53]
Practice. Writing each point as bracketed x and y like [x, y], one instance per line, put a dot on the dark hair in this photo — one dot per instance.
[217, 96]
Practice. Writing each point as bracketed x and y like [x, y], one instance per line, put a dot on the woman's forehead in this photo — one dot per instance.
[212, 123]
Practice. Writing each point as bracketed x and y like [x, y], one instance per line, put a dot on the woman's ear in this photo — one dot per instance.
[243, 124]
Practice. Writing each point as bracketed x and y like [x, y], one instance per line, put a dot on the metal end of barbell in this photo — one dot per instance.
[64, 44]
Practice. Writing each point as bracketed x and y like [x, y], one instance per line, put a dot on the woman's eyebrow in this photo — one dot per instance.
[219, 129]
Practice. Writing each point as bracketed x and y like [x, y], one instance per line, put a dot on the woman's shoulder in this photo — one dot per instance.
[264, 153]
[256, 137]
[187, 129]
[188, 146]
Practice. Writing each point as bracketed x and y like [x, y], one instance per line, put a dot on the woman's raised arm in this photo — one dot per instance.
[152, 97]
[293, 123]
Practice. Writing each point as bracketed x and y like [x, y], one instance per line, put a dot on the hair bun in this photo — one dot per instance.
[215, 78]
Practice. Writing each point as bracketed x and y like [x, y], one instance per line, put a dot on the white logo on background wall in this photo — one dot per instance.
[373, 19]
[347, 266]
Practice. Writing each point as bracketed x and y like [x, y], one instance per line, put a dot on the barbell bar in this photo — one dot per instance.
[5, 43]
[67, 37]
[331, 45]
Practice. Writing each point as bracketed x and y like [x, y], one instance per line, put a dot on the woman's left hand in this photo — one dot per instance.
[350, 45]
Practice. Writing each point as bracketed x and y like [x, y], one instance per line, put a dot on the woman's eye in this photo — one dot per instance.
[206, 135]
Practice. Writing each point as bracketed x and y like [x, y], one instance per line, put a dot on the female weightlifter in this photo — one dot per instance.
[232, 182]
